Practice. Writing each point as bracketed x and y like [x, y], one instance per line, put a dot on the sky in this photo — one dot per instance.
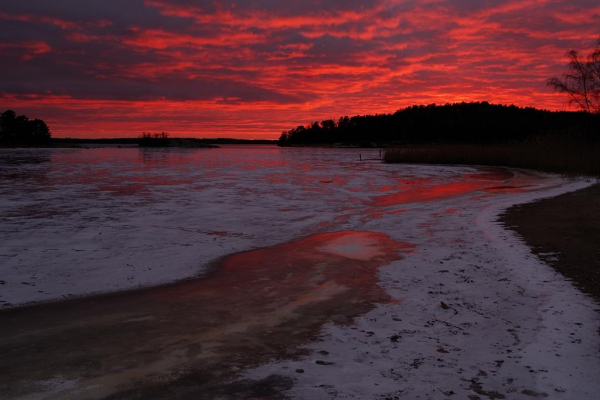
[251, 69]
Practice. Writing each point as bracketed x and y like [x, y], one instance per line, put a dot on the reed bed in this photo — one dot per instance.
[564, 157]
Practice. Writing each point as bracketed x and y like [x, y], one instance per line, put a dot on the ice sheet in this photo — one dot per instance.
[476, 313]
[81, 221]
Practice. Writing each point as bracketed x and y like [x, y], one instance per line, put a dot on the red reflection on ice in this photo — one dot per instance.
[428, 193]
[255, 306]
[423, 190]
[395, 212]
[320, 268]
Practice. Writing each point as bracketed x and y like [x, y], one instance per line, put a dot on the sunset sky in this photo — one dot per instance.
[254, 68]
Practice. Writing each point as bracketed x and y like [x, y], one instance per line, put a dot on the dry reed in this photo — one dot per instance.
[574, 158]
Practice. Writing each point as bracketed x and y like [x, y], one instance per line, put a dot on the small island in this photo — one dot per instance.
[163, 140]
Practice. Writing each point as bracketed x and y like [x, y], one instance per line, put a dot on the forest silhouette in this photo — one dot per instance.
[457, 123]
[21, 131]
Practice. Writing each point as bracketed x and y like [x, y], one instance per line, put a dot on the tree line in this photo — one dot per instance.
[18, 130]
[457, 123]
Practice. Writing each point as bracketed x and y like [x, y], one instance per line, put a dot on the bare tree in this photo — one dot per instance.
[582, 81]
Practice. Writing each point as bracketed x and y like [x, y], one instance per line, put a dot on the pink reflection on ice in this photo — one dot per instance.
[429, 193]
[423, 190]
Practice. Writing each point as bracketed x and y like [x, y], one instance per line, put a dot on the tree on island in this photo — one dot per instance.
[154, 139]
[21, 131]
[582, 80]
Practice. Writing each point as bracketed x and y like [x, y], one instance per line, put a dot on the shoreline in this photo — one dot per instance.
[564, 232]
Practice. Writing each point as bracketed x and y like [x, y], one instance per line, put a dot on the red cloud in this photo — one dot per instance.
[239, 70]
[27, 50]
[61, 23]
[160, 39]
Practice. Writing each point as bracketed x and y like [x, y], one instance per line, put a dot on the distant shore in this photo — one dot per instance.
[77, 143]
[564, 231]
[136, 141]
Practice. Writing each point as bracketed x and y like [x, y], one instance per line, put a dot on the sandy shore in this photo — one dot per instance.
[564, 231]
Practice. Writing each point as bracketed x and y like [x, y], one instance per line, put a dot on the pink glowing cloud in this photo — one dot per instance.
[199, 68]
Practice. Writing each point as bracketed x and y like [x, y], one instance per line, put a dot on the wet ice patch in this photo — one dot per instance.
[356, 246]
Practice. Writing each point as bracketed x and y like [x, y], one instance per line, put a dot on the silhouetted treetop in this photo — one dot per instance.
[477, 123]
[581, 82]
[154, 139]
[164, 140]
[21, 131]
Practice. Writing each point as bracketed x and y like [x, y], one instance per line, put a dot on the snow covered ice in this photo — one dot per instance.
[75, 222]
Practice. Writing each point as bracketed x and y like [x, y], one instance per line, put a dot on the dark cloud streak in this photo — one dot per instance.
[267, 60]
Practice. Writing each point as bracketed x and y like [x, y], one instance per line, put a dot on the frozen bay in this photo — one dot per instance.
[80, 221]
[75, 222]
